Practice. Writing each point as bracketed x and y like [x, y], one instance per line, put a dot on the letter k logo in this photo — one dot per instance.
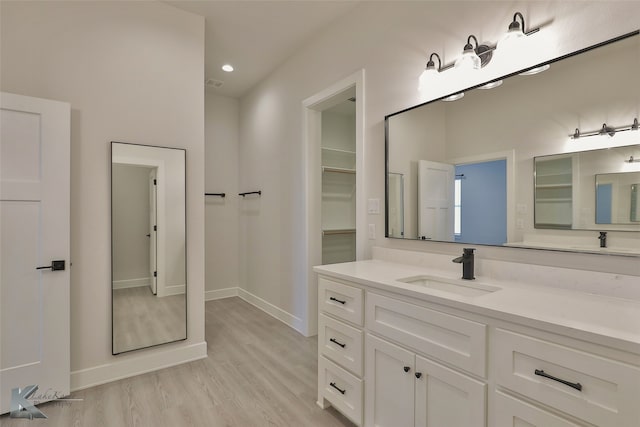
[21, 407]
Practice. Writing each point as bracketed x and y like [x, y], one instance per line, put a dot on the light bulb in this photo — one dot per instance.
[469, 60]
[429, 73]
[511, 41]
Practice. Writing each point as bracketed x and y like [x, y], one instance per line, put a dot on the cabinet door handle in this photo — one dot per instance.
[337, 388]
[335, 341]
[418, 375]
[407, 368]
[337, 300]
[542, 373]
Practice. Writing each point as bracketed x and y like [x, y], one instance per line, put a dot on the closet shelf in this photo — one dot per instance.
[338, 170]
[338, 231]
[337, 150]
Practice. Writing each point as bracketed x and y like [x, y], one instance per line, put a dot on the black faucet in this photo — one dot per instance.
[467, 263]
[603, 239]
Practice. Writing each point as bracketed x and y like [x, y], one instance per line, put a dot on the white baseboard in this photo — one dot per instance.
[286, 318]
[132, 366]
[174, 290]
[131, 283]
[221, 293]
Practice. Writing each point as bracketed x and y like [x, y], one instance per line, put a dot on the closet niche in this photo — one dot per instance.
[338, 146]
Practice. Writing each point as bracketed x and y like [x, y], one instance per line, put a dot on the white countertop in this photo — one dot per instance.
[609, 321]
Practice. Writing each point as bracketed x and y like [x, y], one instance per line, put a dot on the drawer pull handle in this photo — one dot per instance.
[407, 369]
[335, 341]
[418, 375]
[337, 300]
[542, 373]
[337, 388]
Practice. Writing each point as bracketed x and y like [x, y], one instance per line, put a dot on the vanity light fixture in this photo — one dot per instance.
[429, 71]
[515, 34]
[474, 58]
[606, 130]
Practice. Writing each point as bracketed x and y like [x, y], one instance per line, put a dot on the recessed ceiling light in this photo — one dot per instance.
[228, 68]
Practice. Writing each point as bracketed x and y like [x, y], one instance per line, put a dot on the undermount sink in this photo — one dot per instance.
[461, 287]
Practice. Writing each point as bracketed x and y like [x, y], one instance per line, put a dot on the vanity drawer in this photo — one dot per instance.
[341, 343]
[452, 339]
[510, 412]
[341, 300]
[609, 389]
[342, 389]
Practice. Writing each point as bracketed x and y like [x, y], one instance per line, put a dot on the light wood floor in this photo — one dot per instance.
[141, 319]
[259, 372]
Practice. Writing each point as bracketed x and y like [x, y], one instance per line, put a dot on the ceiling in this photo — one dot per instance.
[257, 36]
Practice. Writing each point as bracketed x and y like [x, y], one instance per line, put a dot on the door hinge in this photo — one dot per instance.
[155, 228]
[155, 274]
[155, 182]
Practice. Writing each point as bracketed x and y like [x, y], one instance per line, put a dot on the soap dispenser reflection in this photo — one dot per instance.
[467, 263]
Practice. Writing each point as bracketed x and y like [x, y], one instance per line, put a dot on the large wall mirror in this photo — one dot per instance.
[498, 166]
[148, 243]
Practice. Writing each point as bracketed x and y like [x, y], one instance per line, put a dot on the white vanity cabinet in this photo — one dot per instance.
[405, 389]
[403, 359]
[599, 390]
[340, 344]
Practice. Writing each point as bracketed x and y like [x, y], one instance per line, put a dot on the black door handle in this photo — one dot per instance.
[418, 375]
[149, 235]
[406, 369]
[335, 341]
[338, 300]
[55, 266]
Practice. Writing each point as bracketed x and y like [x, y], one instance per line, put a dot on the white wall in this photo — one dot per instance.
[221, 176]
[133, 72]
[392, 41]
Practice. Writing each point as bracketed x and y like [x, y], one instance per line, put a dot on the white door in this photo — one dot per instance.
[34, 231]
[153, 231]
[389, 386]
[436, 201]
[445, 397]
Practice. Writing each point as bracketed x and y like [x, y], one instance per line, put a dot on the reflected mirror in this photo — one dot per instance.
[468, 165]
[148, 246]
[588, 190]
[617, 198]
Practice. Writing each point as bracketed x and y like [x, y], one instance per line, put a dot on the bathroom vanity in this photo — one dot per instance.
[415, 345]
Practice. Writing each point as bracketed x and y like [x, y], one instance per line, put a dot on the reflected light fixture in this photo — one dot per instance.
[535, 70]
[429, 71]
[228, 68]
[454, 97]
[605, 130]
[491, 85]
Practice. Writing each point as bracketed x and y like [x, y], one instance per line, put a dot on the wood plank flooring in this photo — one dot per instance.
[259, 372]
[141, 319]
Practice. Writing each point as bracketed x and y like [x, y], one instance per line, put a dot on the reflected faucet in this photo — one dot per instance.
[603, 239]
[467, 263]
